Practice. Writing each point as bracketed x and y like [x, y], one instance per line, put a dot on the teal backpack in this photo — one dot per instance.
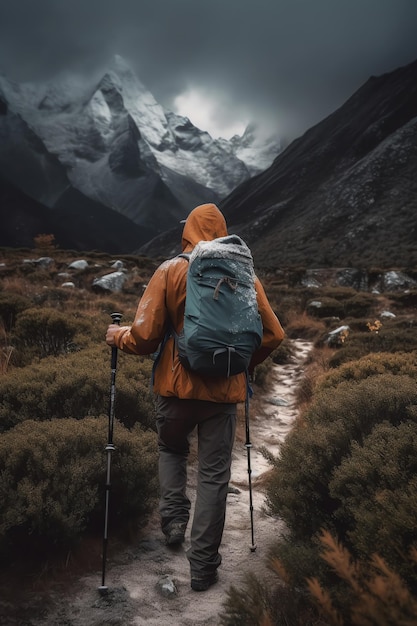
[222, 325]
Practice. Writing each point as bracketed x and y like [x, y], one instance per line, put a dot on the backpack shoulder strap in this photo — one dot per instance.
[169, 333]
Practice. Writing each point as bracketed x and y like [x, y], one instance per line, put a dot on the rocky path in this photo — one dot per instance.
[150, 584]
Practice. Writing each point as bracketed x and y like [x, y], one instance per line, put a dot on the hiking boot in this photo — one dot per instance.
[174, 536]
[202, 583]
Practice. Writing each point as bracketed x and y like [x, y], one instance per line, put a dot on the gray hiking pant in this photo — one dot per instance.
[216, 425]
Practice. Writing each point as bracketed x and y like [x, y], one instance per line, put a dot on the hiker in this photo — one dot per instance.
[186, 400]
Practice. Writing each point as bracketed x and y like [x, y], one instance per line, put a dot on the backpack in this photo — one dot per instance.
[222, 325]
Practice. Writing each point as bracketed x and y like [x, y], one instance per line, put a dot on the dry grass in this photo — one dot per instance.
[316, 366]
[379, 596]
[6, 350]
[303, 326]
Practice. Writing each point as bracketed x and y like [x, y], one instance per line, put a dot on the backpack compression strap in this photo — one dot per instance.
[229, 282]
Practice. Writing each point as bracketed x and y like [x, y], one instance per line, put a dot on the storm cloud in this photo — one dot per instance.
[287, 62]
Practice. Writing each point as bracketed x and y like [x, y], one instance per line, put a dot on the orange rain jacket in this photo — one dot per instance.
[163, 303]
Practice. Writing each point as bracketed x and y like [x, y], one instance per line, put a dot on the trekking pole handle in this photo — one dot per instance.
[116, 317]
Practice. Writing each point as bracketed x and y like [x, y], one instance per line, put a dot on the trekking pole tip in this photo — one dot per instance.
[103, 590]
[253, 547]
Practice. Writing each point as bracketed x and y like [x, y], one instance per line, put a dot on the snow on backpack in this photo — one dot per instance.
[222, 325]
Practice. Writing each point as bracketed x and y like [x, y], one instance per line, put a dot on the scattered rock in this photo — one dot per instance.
[81, 264]
[166, 587]
[277, 401]
[352, 277]
[394, 281]
[109, 282]
[310, 283]
[43, 261]
[357, 279]
[315, 304]
[335, 337]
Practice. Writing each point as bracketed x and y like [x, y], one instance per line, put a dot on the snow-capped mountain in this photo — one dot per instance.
[112, 142]
[255, 148]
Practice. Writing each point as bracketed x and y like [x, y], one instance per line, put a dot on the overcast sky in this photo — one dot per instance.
[287, 63]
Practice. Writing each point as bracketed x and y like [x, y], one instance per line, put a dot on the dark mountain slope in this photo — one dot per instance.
[77, 223]
[346, 191]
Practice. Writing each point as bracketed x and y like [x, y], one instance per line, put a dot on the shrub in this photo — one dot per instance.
[11, 305]
[329, 307]
[254, 604]
[46, 330]
[77, 385]
[371, 365]
[390, 338]
[262, 373]
[303, 326]
[44, 243]
[53, 477]
[407, 298]
[281, 355]
[339, 421]
[376, 486]
[55, 296]
[250, 608]
[359, 305]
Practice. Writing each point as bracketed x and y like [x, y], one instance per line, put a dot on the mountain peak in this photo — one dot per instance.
[118, 146]
[121, 67]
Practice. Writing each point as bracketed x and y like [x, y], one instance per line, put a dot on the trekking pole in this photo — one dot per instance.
[116, 317]
[248, 446]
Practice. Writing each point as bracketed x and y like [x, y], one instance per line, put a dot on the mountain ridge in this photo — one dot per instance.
[114, 143]
[342, 194]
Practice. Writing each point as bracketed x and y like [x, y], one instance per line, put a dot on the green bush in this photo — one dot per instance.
[53, 476]
[371, 365]
[407, 298]
[377, 488]
[11, 305]
[249, 608]
[359, 305]
[55, 296]
[282, 354]
[339, 293]
[329, 307]
[77, 385]
[390, 338]
[339, 421]
[45, 330]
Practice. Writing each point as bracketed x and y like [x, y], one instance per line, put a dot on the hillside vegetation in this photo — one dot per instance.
[344, 482]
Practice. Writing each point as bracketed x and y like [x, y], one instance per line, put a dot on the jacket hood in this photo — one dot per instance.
[204, 223]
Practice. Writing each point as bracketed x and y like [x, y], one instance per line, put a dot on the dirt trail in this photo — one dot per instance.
[135, 597]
